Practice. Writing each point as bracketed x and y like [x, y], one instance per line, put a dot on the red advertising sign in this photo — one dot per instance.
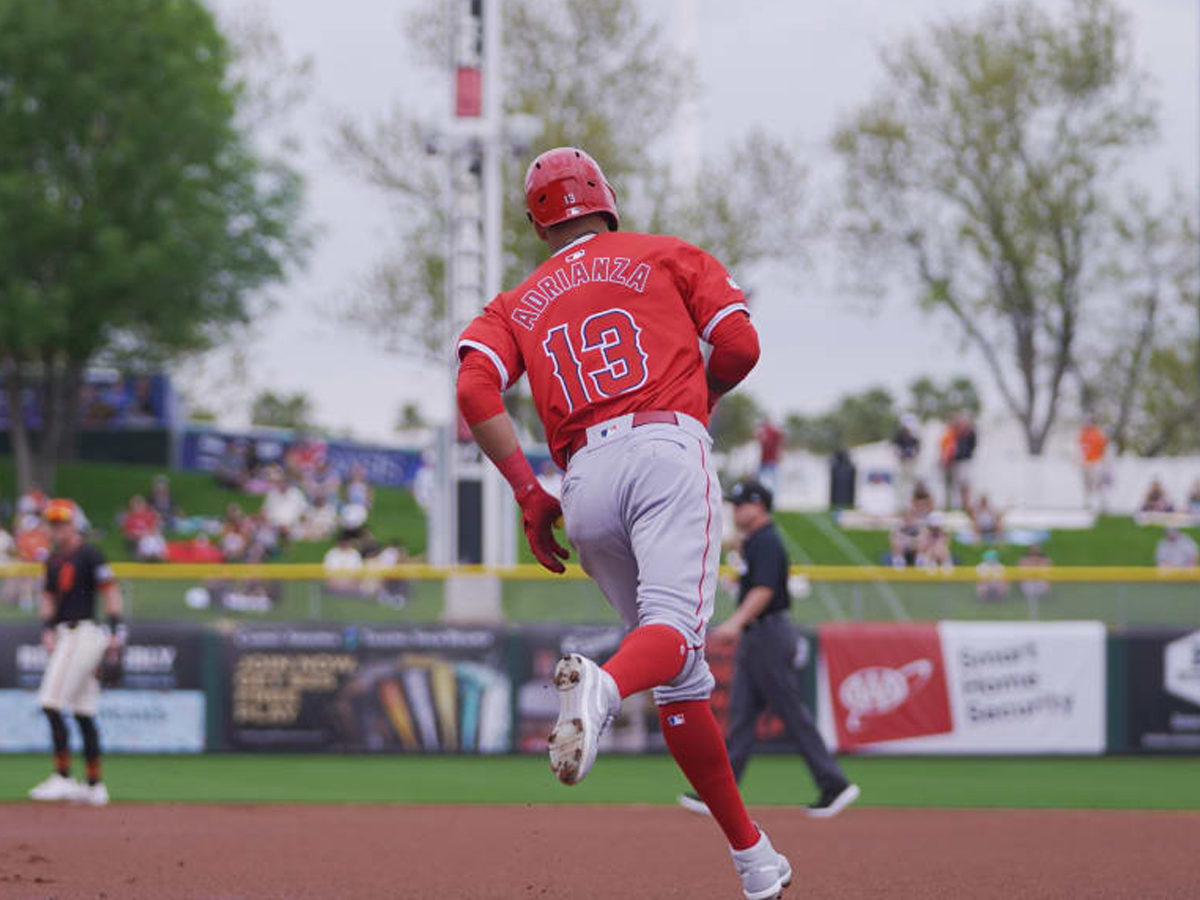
[887, 682]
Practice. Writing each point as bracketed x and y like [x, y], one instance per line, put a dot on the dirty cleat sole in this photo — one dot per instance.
[582, 715]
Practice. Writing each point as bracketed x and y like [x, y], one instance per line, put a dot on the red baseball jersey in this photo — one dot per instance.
[608, 326]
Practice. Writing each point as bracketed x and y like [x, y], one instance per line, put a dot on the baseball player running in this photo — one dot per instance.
[606, 329]
[75, 572]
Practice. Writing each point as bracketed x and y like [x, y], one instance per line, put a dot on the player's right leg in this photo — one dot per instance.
[675, 534]
[52, 694]
[59, 785]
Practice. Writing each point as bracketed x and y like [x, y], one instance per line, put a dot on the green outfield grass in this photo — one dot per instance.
[1102, 783]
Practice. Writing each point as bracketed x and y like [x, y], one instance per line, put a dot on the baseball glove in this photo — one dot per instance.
[111, 669]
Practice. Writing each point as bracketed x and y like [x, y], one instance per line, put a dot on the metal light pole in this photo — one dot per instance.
[472, 146]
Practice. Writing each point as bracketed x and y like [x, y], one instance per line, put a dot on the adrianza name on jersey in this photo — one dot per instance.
[564, 279]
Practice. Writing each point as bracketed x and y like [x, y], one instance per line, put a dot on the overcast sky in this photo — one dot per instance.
[789, 67]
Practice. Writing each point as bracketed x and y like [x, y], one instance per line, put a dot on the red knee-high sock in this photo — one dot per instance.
[649, 656]
[695, 740]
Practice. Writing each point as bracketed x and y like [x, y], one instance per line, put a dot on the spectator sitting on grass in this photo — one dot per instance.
[1176, 550]
[33, 546]
[160, 500]
[1156, 499]
[992, 585]
[32, 502]
[1194, 498]
[324, 483]
[388, 591]
[285, 505]
[151, 547]
[340, 559]
[904, 541]
[353, 520]
[232, 468]
[358, 490]
[987, 522]
[319, 522]
[235, 533]
[138, 521]
[934, 548]
[1034, 558]
[922, 501]
[264, 539]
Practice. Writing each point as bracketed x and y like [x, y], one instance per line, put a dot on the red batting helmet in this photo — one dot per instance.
[564, 184]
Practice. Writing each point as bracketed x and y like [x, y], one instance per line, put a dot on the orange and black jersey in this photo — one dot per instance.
[72, 579]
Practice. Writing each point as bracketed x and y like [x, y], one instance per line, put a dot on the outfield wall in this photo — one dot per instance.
[945, 688]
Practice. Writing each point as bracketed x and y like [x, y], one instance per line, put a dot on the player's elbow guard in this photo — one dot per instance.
[478, 389]
[735, 350]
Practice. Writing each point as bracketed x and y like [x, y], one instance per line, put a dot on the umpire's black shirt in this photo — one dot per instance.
[766, 566]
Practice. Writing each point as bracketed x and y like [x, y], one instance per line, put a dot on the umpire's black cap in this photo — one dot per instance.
[750, 491]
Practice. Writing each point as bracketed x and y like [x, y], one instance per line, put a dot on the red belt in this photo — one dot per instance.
[650, 417]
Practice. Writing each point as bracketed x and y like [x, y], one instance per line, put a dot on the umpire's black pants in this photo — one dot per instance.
[767, 677]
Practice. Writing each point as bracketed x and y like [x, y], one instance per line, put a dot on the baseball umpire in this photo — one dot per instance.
[78, 646]
[765, 674]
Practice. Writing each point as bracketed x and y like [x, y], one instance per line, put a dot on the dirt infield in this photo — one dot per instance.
[139, 852]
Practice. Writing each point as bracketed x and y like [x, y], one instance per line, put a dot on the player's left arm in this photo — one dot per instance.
[735, 353]
[114, 603]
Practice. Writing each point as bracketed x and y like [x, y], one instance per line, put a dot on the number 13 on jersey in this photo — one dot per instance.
[609, 361]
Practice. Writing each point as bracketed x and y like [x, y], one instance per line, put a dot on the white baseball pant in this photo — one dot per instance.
[642, 506]
[69, 683]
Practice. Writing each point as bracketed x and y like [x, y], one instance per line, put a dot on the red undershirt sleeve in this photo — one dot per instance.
[478, 388]
[735, 349]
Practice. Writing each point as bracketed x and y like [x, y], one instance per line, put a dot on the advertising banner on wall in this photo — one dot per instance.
[1163, 680]
[407, 690]
[636, 729]
[964, 687]
[159, 706]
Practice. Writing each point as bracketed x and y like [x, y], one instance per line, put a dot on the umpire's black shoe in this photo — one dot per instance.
[832, 802]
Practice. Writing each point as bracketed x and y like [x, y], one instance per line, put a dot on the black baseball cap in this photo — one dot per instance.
[750, 491]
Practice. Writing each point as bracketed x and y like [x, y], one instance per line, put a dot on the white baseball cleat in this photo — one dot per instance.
[763, 871]
[56, 787]
[92, 794]
[587, 701]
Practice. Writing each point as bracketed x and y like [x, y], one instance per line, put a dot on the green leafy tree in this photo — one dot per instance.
[860, 418]
[136, 216]
[929, 400]
[983, 167]
[282, 411]
[589, 73]
[410, 417]
[816, 434]
[1129, 366]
